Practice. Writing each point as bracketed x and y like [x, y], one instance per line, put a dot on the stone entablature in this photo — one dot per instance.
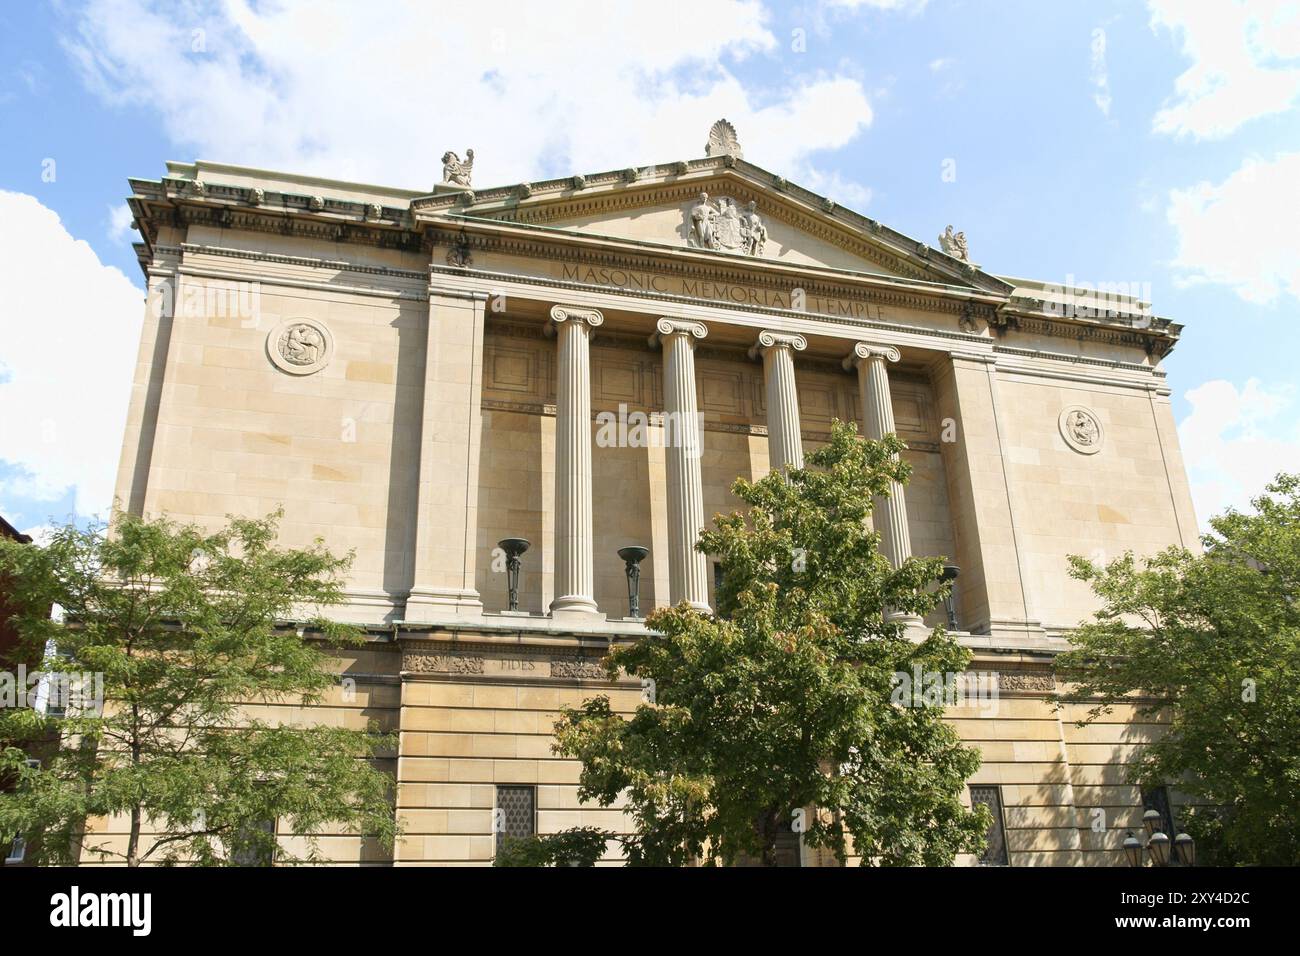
[980, 303]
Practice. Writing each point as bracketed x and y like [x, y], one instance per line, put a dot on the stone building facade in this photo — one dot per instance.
[417, 376]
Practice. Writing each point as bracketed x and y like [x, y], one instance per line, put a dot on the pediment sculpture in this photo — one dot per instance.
[723, 226]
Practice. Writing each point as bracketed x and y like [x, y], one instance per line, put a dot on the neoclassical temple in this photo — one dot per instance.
[587, 364]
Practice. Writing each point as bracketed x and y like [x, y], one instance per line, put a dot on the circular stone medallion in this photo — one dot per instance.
[1081, 429]
[300, 346]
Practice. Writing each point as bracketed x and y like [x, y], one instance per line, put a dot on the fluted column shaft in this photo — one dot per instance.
[687, 568]
[574, 567]
[784, 440]
[889, 514]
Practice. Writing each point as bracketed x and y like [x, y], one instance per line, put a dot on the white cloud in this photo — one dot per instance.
[70, 328]
[1244, 63]
[910, 6]
[950, 81]
[1098, 74]
[119, 222]
[1241, 232]
[41, 534]
[1235, 441]
[844, 191]
[536, 92]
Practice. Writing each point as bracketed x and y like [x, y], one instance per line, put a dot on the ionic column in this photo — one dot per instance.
[574, 573]
[687, 568]
[889, 514]
[784, 442]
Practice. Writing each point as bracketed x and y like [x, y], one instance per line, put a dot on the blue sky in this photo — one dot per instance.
[1153, 143]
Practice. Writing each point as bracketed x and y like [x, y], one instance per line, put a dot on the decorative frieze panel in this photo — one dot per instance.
[488, 661]
[579, 668]
[432, 662]
[1031, 681]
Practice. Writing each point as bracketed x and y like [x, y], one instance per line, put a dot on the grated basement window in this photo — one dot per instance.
[995, 849]
[518, 816]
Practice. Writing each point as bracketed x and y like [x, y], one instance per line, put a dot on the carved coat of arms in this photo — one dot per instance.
[721, 225]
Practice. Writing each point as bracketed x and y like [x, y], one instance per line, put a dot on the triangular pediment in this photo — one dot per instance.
[749, 213]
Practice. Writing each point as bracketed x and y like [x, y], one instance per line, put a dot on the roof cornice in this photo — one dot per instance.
[513, 220]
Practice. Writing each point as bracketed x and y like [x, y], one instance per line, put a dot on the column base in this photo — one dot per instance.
[575, 607]
[912, 623]
[426, 604]
[1015, 631]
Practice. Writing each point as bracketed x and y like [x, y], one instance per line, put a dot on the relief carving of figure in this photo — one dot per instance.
[702, 216]
[755, 231]
[954, 244]
[1082, 428]
[302, 345]
[454, 171]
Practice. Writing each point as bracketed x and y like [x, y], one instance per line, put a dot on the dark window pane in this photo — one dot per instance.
[17, 851]
[250, 848]
[1157, 798]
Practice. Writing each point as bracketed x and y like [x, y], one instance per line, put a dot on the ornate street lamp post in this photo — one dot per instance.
[513, 547]
[949, 575]
[1158, 845]
[632, 557]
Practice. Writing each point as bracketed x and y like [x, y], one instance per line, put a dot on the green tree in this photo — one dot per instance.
[1212, 641]
[578, 846]
[184, 626]
[782, 701]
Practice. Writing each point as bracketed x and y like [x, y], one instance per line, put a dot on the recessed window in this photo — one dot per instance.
[516, 816]
[18, 849]
[250, 848]
[995, 847]
[1157, 798]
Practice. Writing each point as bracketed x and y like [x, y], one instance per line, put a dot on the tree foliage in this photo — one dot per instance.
[1214, 638]
[578, 846]
[184, 626]
[781, 701]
